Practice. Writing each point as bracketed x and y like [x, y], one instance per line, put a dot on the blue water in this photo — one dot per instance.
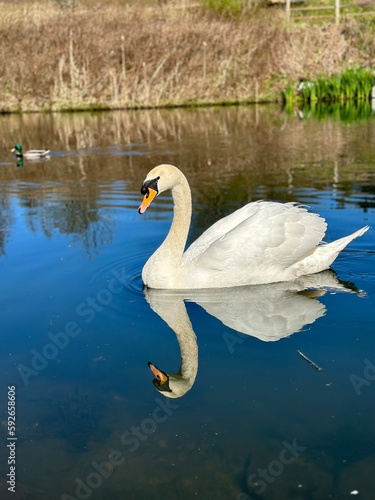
[255, 419]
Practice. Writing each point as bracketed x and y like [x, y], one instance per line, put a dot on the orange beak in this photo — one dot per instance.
[147, 200]
[158, 374]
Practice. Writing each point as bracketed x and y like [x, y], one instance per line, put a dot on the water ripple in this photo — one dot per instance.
[127, 270]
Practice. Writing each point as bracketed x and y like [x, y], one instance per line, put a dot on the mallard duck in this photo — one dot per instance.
[32, 154]
[262, 242]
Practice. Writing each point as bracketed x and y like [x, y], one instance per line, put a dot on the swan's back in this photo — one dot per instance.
[260, 240]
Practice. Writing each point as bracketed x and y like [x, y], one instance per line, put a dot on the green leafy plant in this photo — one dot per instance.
[353, 84]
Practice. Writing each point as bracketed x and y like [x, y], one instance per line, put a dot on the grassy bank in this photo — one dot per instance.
[59, 55]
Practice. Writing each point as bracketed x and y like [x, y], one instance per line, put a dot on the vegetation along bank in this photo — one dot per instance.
[84, 54]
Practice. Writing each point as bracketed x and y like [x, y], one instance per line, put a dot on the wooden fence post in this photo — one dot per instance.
[287, 5]
[337, 12]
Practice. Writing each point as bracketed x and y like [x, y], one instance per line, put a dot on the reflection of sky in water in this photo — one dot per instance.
[68, 245]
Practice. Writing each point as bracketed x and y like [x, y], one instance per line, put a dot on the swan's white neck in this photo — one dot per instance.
[176, 239]
[162, 267]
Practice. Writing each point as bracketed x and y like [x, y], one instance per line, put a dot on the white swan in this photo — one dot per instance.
[262, 242]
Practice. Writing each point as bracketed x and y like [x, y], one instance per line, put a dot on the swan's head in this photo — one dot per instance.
[158, 180]
[170, 386]
[161, 380]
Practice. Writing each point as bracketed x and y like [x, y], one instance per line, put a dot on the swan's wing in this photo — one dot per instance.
[262, 235]
[219, 229]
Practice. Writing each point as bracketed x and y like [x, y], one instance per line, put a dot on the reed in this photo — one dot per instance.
[353, 84]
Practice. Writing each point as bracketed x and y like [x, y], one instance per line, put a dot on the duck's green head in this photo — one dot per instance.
[17, 149]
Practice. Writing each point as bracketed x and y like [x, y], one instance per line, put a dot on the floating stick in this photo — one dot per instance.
[309, 361]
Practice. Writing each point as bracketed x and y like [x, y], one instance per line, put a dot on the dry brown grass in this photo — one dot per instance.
[116, 56]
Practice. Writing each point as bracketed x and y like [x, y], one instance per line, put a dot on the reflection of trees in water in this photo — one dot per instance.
[6, 220]
[258, 141]
[78, 217]
[81, 218]
[365, 196]
[230, 155]
[369, 196]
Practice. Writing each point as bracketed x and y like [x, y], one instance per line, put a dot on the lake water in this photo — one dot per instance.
[253, 418]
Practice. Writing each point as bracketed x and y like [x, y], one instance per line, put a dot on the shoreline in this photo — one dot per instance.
[97, 109]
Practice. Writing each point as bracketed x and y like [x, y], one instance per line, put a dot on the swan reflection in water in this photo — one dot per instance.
[268, 312]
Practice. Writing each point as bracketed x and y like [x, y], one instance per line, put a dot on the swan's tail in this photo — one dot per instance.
[323, 255]
[340, 244]
[331, 250]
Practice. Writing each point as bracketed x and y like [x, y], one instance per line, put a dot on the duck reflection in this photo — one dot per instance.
[268, 312]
